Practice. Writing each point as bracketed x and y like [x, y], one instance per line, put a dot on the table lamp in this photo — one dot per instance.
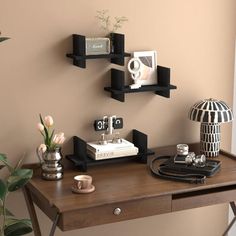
[210, 113]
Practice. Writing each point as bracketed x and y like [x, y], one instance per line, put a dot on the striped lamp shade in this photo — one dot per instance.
[210, 113]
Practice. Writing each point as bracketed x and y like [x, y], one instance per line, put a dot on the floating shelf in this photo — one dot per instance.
[79, 47]
[118, 89]
[81, 160]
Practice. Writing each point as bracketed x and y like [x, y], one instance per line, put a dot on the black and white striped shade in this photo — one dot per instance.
[210, 111]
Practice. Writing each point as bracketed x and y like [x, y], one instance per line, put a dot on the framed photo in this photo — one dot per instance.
[149, 61]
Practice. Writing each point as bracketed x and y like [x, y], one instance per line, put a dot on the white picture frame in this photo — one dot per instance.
[149, 61]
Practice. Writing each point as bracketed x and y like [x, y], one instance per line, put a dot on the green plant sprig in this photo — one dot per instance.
[106, 24]
[16, 179]
[47, 136]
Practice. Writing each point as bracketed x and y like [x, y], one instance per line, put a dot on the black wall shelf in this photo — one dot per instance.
[118, 88]
[79, 50]
[82, 161]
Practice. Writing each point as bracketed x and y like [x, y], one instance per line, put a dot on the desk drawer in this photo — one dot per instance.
[115, 212]
[203, 198]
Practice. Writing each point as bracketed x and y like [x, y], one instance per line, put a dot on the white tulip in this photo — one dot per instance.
[62, 140]
[59, 138]
[42, 147]
[55, 139]
[40, 127]
[48, 121]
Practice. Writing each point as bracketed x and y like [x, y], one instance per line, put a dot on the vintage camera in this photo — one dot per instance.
[185, 157]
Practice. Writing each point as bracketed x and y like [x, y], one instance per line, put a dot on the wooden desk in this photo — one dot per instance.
[129, 186]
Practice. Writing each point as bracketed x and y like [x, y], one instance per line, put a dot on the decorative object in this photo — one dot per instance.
[49, 153]
[79, 51]
[110, 144]
[50, 164]
[96, 46]
[210, 113]
[17, 178]
[143, 68]
[107, 24]
[136, 72]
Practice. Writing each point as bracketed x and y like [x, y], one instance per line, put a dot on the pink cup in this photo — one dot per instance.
[82, 182]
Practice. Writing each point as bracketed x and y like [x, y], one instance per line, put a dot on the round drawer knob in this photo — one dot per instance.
[117, 211]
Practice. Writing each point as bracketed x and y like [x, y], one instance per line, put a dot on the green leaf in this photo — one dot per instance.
[3, 189]
[18, 179]
[7, 212]
[16, 227]
[46, 137]
[3, 39]
[41, 119]
[3, 159]
[50, 138]
[19, 163]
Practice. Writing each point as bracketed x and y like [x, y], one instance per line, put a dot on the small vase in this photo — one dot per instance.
[50, 164]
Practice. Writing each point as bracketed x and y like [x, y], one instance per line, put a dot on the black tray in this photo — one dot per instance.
[211, 167]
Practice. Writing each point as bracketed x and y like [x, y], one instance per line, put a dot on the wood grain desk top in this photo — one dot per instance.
[129, 183]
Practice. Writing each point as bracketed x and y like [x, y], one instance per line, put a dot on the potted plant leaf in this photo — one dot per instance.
[3, 38]
[16, 179]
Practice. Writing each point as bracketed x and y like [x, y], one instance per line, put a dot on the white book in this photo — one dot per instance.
[97, 147]
[109, 154]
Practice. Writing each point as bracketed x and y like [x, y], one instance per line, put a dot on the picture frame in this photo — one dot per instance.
[149, 61]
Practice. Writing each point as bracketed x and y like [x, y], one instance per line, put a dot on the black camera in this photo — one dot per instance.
[185, 157]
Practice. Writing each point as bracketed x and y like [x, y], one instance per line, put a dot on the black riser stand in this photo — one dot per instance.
[118, 88]
[82, 161]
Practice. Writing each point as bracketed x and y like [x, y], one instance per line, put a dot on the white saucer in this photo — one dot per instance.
[89, 190]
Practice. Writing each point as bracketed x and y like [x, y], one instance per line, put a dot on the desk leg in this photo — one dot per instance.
[32, 213]
[54, 225]
[233, 207]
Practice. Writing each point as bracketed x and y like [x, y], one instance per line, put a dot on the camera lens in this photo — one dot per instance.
[200, 161]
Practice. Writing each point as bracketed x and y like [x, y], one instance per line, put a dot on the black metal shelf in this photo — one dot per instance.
[79, 50]
[118, 89]
[82, 161]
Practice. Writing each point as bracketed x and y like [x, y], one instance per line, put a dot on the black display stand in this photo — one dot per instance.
[118, 88]
[116, 56]
[81, 160]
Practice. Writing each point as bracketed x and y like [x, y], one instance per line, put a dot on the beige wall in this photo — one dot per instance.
[194, 38]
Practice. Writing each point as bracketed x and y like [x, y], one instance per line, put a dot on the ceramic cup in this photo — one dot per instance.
[82, 182]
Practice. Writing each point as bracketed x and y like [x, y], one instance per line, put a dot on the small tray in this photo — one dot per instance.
[212, 166]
